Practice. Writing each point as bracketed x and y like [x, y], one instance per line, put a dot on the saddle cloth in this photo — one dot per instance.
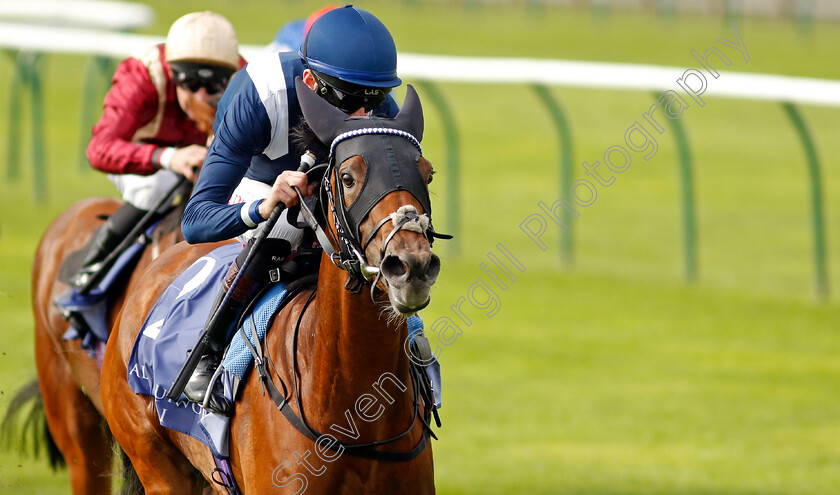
[173, 327]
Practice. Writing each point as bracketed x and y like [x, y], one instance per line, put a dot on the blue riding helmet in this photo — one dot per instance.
[353, 46]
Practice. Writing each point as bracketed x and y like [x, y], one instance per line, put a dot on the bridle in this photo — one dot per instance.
[400, 156]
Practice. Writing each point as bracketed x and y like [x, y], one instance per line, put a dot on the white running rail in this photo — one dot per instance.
[467, 69]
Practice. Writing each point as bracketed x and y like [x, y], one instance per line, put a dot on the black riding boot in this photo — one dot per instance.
[105, 239]
[196, 388]
[256, 276]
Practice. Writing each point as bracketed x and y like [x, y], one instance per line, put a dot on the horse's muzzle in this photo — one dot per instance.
[410, 276]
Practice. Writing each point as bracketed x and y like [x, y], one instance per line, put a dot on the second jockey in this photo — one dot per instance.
[156, 120]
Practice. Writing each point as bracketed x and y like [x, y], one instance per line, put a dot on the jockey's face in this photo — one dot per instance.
[199, 106]
[200, 82]
[201, 95]
[310, 81]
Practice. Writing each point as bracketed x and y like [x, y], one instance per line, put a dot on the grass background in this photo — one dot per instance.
[613, 377]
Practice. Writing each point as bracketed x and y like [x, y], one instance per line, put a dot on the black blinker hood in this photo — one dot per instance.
[392, 165]
[392, 160]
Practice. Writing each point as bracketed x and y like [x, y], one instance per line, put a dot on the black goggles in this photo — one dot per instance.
[194, 76]
[349, 98]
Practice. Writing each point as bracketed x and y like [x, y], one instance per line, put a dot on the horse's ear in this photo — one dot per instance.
[410, 117]
[322, 117]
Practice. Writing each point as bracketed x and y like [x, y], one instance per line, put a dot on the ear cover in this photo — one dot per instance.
[410, 117]
[323, 118]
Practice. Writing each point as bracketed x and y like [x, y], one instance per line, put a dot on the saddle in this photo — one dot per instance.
[173, 326]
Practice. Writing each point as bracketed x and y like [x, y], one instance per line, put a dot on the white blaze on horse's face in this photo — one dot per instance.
[408, 266]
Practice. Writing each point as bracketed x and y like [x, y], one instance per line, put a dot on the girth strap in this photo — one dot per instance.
[356, 451]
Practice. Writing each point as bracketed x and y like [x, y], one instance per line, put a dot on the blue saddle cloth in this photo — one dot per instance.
[174, 326]
[171, 328]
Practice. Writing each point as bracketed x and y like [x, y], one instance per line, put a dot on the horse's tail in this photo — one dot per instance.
[34, 432]
[130, 481]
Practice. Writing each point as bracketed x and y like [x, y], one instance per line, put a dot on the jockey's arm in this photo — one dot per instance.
[242, 130]
[131, 102]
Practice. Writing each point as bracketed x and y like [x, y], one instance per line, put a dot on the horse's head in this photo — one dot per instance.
[376, 187]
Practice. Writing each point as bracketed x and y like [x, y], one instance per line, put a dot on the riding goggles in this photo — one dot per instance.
[193, 76]
[349, 98]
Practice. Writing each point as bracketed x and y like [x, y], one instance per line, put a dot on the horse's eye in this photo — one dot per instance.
[431, 176]
[347, 180]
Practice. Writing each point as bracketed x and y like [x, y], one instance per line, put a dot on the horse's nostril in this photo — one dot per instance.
[393, 267]
[433, 270]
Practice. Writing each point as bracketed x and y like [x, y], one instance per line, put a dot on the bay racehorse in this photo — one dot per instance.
[338, 358]
[67, 374]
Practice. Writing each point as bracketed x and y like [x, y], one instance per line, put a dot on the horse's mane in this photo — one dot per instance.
[304, 138]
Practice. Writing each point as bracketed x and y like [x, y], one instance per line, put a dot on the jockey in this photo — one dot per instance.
[349, 58]
[156, 119]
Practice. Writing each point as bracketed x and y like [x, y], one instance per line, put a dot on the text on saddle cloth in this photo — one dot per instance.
[170, 330]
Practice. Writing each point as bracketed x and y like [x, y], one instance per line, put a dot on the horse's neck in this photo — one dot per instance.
[355, 351]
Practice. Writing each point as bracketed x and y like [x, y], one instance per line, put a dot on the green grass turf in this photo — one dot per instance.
[612, 377]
